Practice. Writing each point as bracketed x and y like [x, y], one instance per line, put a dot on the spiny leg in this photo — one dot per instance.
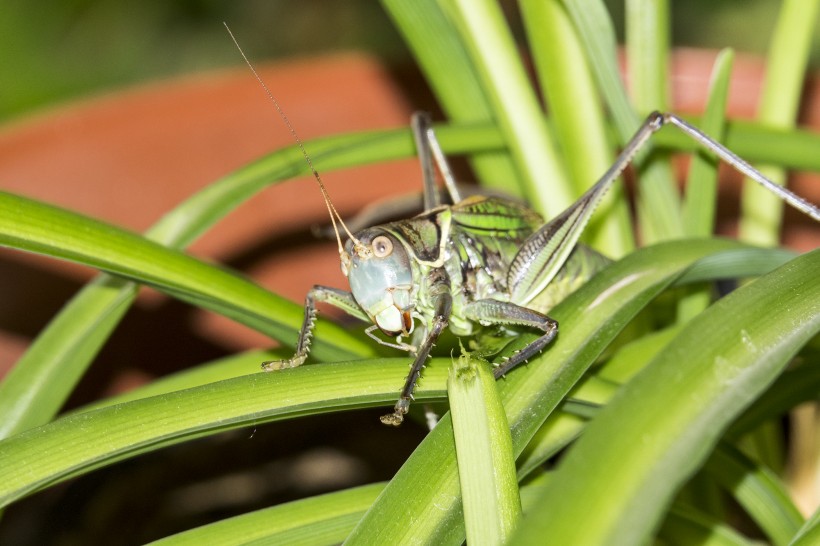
[656, 120]
[443, 302]
[739, 164]
[544, 253]
[333, 296]
[506, 313]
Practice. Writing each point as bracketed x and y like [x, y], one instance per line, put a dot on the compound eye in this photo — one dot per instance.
[382, 246]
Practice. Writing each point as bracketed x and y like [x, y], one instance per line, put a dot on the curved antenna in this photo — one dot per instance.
[334, 215]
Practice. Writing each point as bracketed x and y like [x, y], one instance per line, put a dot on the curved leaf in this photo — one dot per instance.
[29, 225]
[324, 519]
[661, 426]
[80, 442]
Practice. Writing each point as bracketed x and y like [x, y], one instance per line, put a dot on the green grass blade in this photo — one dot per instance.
[722, 362]
[597, 34]
[556, 433]
[566, 423]
[422, 501]
[759, 491]
[487, 38]
[448, 70]
[41, 380]
[37, 227]
[794, 387]
[686, 525]
[647, 50]
[632, 357]
[486, 464]
[780, 99]
[701, 191]
[324, 519]
[701, 182]
[598, 38]
[809, 534]
[81, 442]
[232, 366]
[577, 114]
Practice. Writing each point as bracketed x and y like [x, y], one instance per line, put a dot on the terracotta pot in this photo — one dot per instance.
[129, 157]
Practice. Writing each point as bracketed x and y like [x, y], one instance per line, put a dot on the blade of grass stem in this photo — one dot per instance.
[486, 464]
[577, 114]
[701, 183]
[722, 362]
[450, 73]
[701, 195]
[484, 31]
[45, 229]
[647, 52]
[809, 534]
[758, 490]
[597, 34]
[78, 443]
[779, 102]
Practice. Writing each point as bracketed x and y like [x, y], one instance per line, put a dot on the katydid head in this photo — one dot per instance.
[376, 265]
[381, 280]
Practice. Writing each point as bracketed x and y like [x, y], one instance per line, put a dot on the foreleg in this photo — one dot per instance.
[333, 296]
[440, 292]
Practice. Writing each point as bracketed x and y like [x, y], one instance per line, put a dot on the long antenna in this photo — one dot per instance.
[334, 215]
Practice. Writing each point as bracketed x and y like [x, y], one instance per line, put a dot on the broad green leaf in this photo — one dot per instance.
[715, 368]
[78, 443]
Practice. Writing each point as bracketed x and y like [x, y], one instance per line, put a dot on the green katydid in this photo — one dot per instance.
[477, 262]
[481, 261]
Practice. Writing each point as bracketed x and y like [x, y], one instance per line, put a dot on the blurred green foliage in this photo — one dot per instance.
[52, 51]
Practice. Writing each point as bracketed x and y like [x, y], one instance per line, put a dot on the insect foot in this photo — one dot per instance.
[274, 365]
[397, 417]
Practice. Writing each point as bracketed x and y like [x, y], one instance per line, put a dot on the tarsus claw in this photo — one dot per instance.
[397, 417]
[275, 365]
